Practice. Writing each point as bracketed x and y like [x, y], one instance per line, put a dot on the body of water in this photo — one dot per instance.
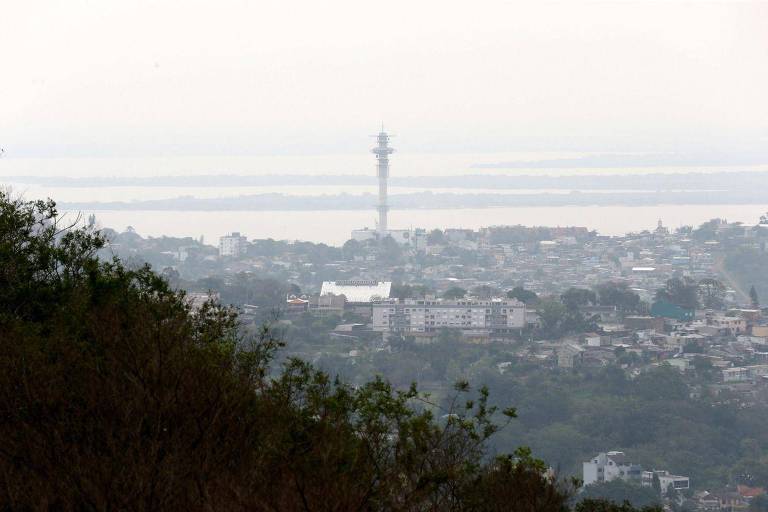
[334, 227]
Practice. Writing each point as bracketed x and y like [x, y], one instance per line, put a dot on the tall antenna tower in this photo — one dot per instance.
[382, 152]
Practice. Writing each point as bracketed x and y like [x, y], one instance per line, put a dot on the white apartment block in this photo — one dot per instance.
[430, 315]
[233, 245]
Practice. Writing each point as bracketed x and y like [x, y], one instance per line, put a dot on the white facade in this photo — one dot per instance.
[666, 480]
[675, 481]
[233, 245]
[358, 290]
[401, 236]
[605, 467]
[430, 315]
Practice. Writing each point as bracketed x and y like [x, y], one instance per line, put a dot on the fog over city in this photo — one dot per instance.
[83, 78]
[384, 256]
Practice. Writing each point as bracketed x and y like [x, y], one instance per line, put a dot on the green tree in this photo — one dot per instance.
[436, 237]
[454, 292]
[602, 505]
[352, 248]
[390, 251]
[551, 314]
[523, 295]
[406, 291]
[450, 336]
[619, 491]
[486, 292]
[662, 382]
[708, 230]
[574, 298]
[753, 297]
[711, 293]
[680, 291]
[702, 364]
[618, 295]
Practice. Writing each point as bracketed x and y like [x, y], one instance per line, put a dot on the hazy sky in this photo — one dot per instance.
[142, 78]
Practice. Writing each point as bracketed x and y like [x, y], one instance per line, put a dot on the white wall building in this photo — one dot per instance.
[358, 291]
[232, 245]
[430, 315]
[608, 466]
[401, 236]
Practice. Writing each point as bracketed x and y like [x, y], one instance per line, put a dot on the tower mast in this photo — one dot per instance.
[382, 152]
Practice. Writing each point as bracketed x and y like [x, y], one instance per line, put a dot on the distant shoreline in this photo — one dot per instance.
[694, 180]
[426, 200]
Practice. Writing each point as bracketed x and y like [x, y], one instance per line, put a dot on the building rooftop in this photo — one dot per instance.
[358, 290]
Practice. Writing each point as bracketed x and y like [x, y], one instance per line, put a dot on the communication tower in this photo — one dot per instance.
[382, 152]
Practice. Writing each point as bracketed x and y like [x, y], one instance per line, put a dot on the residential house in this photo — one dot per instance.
[608, 466]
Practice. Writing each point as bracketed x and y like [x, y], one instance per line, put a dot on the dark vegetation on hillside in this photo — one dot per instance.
[115, 395]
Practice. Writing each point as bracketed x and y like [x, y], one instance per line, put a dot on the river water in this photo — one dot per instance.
[332, 226]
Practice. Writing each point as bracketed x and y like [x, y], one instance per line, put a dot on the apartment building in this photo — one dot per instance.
[233, 245]
[666, 480]
[499, 316]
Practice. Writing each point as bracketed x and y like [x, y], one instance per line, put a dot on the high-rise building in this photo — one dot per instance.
[233, 245]
[382, 152]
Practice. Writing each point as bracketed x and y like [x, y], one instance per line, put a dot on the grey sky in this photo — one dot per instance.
[186, 77]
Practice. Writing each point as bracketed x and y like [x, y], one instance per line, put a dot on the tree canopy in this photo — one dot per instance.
[620, 296]
[523, 295]
[618, 491]
[683, 292]
[454, 292]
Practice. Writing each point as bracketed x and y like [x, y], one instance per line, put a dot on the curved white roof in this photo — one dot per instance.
[357, 291]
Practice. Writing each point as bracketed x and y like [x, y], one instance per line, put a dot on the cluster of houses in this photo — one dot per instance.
[546, 260]
[615, 465]
[731, 343]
